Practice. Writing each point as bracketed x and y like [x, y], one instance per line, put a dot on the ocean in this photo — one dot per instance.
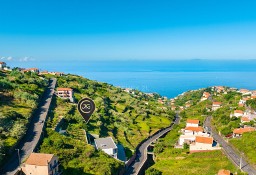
[168, 78]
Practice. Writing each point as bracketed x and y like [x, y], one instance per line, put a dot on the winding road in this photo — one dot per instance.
[229, 151]
[141, 153]
[30, 140]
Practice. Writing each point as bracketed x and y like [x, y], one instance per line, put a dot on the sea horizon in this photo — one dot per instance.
[167, 77]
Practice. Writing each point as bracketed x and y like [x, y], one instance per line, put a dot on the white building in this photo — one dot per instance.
[216, 105]
[2, 65]
[193, 130]
[238, 113]
[202, 144]
[65, 93]
[192, 122]
[107, 145]
[41, 164]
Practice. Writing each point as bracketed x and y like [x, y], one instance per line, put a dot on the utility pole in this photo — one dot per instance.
[240, 161]
[18, 150]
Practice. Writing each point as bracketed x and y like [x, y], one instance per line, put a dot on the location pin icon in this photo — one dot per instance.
[86, 107]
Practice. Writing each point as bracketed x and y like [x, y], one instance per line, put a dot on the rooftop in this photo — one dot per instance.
[197, 129]
[194, 121]
[208, 140]
[243, 130]
[105, 143]
[224, 172]
[239, 111]
[64, 89]
[39, 159]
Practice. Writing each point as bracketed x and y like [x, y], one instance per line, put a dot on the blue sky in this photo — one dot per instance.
[146, 29]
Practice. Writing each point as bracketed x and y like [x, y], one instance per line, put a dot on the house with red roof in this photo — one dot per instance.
[65, 93]
[216, 105]
[238, 113]
[239, 131]
[41, 164]
[34, 70]
[206, 96]
[245, 119]
[192, 122]
[203, 143]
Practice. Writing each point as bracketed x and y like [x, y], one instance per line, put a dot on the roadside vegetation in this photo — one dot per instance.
[127, 117]
[19, 97]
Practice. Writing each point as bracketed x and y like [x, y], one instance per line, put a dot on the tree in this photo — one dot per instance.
[153, 171]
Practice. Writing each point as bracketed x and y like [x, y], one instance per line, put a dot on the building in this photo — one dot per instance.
[65, 93]
[34, 70]
[239, 131]
[202, 144]
[245, 92]
[41, 164]
[216, 105]
[238, 113]
[2, 65]
[107, 145]
[224, 172]
[189, 130]
[206, 96]
[245, 119]
[192, 122]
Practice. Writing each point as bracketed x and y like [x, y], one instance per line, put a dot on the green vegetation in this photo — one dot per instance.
[19, 96]
[246, 145]
[127, 117]
[175, 161]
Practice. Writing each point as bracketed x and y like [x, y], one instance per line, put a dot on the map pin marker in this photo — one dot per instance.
[86, 107]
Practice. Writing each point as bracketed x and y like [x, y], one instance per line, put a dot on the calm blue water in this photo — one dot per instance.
[168, 78]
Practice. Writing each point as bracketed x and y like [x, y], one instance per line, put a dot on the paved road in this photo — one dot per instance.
[141, 156]
[29, 141]
[229, 151]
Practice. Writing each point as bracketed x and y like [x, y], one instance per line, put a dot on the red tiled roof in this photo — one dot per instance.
[239, 111]
[194, 121]
[39, 159]
[224, 172]
[197, 129]
[243, 130]
[2, 63]
[245, 119]
[216, 103]
[64, 89]
[208, 140]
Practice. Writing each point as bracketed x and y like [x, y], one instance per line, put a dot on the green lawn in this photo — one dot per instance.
[202, 163]
[246, 144]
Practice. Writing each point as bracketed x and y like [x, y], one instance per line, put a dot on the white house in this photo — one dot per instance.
[202, 144]
[65, 93]
[34, 70]
[2, 65]
[238, 113]
[189, 130]
[186, 139]
[206, 96]
[216, 105]
[192, 122]
[245, 92]
[245, 119]
[107, 145]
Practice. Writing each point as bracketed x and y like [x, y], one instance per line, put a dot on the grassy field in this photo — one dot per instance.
[246, 144]
[177, 163]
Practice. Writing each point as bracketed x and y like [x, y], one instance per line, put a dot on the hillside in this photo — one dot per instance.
[128, 117]
[171, 160]
[19, 96]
